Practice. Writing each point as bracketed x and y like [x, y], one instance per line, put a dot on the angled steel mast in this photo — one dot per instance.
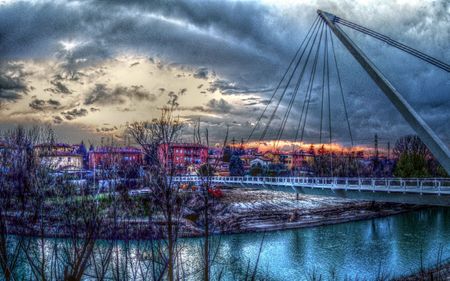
[432, 141]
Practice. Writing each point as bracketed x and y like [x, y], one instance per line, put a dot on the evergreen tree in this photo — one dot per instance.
[227, 154]
[83, 151]
[414, 159]
[206, 170]
[236, 166]
[256, 170]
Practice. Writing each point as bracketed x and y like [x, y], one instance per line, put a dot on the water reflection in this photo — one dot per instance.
[391, 245]
[359, 249]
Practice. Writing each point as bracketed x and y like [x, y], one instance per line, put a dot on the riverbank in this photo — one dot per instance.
[238, 211]
[438, 273]
[249, 210]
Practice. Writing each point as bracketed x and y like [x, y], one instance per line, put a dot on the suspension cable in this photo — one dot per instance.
[292, 100]
[310, 89]
[347, 119]
[288, 83]
[341, 90]
[322, 92]
[394, 43]
[307, 94]
[329, 105]
[313, 26]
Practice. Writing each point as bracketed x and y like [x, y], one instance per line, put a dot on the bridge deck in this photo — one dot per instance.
[434, 191]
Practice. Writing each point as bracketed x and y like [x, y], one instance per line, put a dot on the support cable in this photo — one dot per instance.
[395, 44]
[292, 100]
[307, 94]
[308, 100]
[288, 83]
[322, 92]
[341, 90]
[329, 103]
[347, 119]
[313, 26]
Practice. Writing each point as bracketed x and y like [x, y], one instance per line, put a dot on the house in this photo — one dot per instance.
[104, 157]
[261, 161]
[251, 151]
[58, 156]
[246, 159]
[183, 155]
[273, 156]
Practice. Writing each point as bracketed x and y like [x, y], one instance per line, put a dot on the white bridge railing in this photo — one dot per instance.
[440, 186]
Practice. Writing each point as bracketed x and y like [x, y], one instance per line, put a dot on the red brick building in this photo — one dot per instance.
[108, 156]
[183, 156]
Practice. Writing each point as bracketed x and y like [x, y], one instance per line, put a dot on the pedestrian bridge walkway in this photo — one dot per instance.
[432, 191]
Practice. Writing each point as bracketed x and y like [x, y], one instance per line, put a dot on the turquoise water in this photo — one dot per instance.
[390, 246]
[362, 250]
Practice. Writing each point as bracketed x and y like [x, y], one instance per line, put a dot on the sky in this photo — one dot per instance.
[91, 67]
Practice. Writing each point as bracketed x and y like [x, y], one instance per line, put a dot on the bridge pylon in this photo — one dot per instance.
[426, 134]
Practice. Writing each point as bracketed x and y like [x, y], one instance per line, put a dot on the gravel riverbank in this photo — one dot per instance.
[239, 210]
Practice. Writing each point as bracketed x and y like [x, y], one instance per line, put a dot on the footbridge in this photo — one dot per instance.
[427, 191]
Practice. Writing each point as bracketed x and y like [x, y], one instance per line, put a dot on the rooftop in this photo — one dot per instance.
[54, 145]
[112, 149]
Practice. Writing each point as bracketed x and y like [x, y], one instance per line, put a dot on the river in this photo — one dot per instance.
[360, 250]
[390, 246]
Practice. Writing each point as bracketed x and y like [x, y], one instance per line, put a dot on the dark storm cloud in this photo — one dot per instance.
[42, 105]
[54, 103]
[103, 28]
[182, 91]
[12, 82]
[37, 104]
[201, 73]
[102, 95]
[229, 88]
[219, 106]
[248, 45]
[74, 113]
[57, 119]
[106, 129]
[59, 88]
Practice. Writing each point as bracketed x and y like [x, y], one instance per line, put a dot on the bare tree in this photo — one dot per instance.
[156, 139]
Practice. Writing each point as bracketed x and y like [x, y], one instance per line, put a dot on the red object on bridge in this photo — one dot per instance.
[216, 192]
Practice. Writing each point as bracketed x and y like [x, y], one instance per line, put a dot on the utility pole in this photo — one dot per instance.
[389, 150]
[375, 142]
[432, 141]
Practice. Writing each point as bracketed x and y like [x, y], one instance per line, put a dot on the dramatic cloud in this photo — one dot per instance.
[106, 129]
[43, 105]
[37, 104]
[12, 82]
[201, 73]
[234, 48]
[102, 95]
[59, 87]
[74, 113]
[54, 103]
[57, 119]
[219, 106]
